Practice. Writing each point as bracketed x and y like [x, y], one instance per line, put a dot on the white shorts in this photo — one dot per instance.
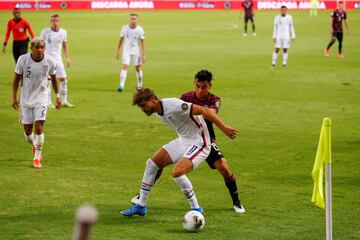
[60, 68]
[178, 149]
[133, 59]
[29, 115]
[282, 43]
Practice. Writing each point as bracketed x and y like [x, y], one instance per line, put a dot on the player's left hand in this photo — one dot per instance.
[68, 62]
[293, 39]
[231, 132]
[15, 104]
[58, 103]
[143, 59]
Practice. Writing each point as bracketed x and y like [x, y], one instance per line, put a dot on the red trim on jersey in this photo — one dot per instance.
[192, 118]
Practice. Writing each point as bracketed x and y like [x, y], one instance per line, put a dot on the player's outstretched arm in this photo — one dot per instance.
[142, 44]
[211, 116]
[15, 87]
[66, 52]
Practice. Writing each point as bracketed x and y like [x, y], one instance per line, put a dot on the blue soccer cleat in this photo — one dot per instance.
[134, 210]
[199, 209]
[120, 89]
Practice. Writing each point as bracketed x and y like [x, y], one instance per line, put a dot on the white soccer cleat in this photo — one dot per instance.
[245, 35]
[135, 200]
[254, 34]
[68, 105]
[239, 208]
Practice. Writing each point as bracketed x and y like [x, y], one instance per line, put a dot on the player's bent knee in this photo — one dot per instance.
[125, 67]
[151, 165]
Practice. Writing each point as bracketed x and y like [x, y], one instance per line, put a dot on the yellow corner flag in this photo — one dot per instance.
[323, 155]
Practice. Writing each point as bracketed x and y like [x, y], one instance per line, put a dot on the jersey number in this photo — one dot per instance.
[28, 72]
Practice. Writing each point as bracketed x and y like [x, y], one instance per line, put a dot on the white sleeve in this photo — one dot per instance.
[19, 66]
[142, 34]
[65, 37]
[292, 29]
[275, 27]
[179, 106]
[122, 33]
[42, 34]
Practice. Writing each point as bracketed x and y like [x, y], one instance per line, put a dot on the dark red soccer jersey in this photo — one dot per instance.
[337, 18]
[211, 101]
[248, 5]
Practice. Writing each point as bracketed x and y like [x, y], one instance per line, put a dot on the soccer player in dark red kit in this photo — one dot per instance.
[202, 96]
[18, 26]
[336, 30]
[249, 15]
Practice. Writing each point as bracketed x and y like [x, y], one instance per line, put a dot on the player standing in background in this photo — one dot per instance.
[32, 70]
[188, 151]
[56, 40]
[313, 7]
[248, 15]
[131, 34]
[283, 25]
[336, 30]
[18, 26]
[202, 97]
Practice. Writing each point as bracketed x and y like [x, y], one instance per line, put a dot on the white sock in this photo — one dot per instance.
[285, 58]
[274, 58]
[139, 77]
[123, 74]
[63, 91]
[30, 138]
[147, 181]
[49, 93]
[39, 141]
[186, 187]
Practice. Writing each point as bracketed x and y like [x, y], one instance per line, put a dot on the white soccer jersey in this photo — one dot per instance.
[190, 129]
[132, 37]
[282, 27]
[54, 41]
[34, 87]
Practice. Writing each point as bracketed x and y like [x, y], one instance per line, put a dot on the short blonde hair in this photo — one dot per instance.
[37, 41]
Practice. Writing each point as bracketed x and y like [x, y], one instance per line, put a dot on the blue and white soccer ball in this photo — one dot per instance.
[193, 221]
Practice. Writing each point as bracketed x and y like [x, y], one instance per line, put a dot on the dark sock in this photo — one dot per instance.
[231, 185]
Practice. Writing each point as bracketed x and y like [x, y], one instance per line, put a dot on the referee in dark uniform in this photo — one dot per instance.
[18, 26]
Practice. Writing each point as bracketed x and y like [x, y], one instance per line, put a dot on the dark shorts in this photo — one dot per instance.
[247, 18]
[215, 154]
[20, 48]
[338, 35]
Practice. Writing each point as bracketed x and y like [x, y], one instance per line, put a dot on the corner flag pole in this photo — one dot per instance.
[323, 157]
[328, 185]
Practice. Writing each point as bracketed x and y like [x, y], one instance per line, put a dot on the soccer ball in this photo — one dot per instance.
[193, 221]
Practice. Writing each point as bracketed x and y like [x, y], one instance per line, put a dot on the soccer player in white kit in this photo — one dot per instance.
[283, 25]
[131, 34]
[33, 69]
[188, 151]
[56, 40]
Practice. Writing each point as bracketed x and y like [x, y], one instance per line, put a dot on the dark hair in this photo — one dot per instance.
[16, 9]
[143, 95]
[203, 75]
[340, 2]
[283, 6]
[55, 15]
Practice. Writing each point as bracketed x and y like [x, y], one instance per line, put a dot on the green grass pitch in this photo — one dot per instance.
[96, 152]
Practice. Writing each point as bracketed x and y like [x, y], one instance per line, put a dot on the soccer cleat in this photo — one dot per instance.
[36, 163]
[134, 210]
[199, 209]
[67, 104]
[284, 65]
[327, 52]
[51, 106]
[254, 34]
[120, 89]
[239, 208]
[340, 56]
[245, 35]
[135, 200]
[272, 66]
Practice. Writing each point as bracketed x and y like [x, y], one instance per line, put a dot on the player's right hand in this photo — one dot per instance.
[117, 55]
[15, 104]
[274, 40]
[3, 49]
[231, 132]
